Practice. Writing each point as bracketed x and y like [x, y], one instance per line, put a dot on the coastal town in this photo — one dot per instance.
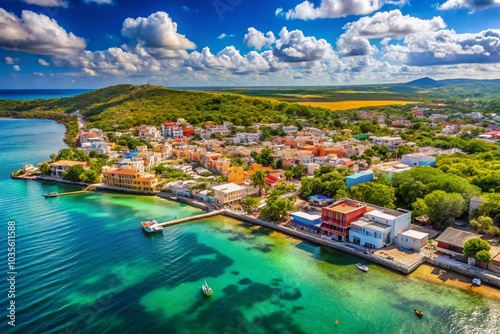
[297, 179]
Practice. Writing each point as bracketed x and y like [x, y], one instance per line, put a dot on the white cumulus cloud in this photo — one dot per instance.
[100, 2]
[37, 33]
[446, 47]
[470, 4]
[392, 24]
[293, 46]
[335, 8]
[157, 34]
[257, 39]
[48, 3]
[16, 68]
[43, 62]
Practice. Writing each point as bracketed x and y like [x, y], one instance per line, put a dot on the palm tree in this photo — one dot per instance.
[258, 179]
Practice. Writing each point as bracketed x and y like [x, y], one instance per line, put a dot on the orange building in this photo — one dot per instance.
[236, 174]
[130, 179]
[336, 218]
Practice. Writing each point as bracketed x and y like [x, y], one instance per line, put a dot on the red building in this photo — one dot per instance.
[336, 218]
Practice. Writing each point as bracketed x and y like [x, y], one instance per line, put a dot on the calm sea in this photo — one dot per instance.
[31, 94]
[84, 266]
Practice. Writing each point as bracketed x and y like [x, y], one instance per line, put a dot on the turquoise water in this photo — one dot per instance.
[31, 94]
[84, 266]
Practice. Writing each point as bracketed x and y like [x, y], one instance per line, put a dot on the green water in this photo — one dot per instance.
[85, 266]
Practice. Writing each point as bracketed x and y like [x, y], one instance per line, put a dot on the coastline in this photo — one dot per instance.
[449, 275]
[439, 275]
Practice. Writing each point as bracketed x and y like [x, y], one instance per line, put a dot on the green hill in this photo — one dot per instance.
[124, 106]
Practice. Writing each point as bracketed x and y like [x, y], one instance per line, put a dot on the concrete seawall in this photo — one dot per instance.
[484, 275]
[402, 268]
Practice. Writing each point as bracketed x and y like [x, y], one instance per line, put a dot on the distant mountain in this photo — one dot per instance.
[424, 82]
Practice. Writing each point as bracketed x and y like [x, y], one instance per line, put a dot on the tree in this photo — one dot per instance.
[474, 246]
[374, 193]
[298, 171]
[90, 176]
[74, 173]
[44, 167]
[258, 179]
[419, 208]
[288, 174]
[484, 225]
[159, 169]
[250, 203]
[443, 207]
[483, 256]
[277, 208]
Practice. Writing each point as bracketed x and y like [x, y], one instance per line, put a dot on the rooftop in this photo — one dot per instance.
[121, 171]
[344, 207]
[305, 215]
[68, 163]
[370, 225]
[228, 187]
[456, 237]
[415, 234]
[386, 214]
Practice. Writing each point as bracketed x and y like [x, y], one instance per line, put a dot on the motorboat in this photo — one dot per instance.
[476, 281]
[418, 313]
[151, 226]
[207, 291]
[51, 194]
[362, 267]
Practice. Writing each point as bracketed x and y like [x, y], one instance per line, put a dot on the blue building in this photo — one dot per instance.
[355, 179]
[320, 200]
[307, 222]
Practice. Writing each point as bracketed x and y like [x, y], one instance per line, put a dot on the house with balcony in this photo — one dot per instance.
[391, 142]
[148, 132]
[60, 167]
[336, 219]
[129, 179]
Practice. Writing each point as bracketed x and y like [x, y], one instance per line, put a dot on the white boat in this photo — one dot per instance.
[362, 267]
[151, 226]
[207, 291]
[476, 281]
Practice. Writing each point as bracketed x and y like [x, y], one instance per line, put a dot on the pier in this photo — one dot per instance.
[89, 188]
[188, 219]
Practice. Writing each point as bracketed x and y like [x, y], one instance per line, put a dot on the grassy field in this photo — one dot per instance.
[345, 105]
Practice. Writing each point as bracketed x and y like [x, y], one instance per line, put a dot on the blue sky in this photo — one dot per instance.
[97, 43]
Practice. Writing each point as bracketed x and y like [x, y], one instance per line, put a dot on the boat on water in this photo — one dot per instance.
[362, 267]
[151, 226]
[476, 281]
[418, 313]
[51, 194]
[207, 291]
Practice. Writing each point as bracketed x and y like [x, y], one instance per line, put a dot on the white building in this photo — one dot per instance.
[392, 142]
[379, 227]
[149, 132]
[228, 193]
[412, 239]
[290, 129]
[135, 163]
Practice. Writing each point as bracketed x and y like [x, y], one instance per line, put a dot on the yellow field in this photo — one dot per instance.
[344, 105]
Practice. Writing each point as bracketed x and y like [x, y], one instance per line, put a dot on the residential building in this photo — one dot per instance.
[307, 222]
[228, 193]
[130, 179]
[355, 179]
[290, 129]
[336, 218]
[418, 159]
[369, 234]
[452, 241]
[149, 132]
[134, 163]
[412, 239]
[391, 142]
[60, 167]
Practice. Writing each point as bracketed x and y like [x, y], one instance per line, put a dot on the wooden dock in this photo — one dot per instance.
[89, 188]
[188, 219]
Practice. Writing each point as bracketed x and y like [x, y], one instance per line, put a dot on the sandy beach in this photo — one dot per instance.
[443, 276]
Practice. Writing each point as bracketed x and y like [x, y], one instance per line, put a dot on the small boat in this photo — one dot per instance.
[362, 267]
[51, 194]
[151, 226]
[207, 291]
[476, 281]
[418, 313]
